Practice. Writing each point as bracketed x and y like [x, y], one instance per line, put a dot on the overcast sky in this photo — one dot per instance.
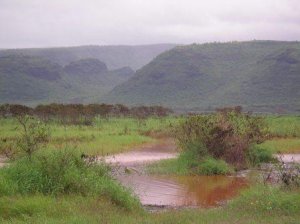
[41, 23]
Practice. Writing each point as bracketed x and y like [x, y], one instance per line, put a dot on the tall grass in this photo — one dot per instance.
[62, 173]
[284, 126]
[282, 145]
[189, 163]
[105, 136]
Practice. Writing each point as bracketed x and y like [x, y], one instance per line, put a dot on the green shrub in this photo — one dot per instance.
[189, 163]
[32, 134]
[62, 172]
[259, 155]
[197, 149]
[225, 135]
[211, 166]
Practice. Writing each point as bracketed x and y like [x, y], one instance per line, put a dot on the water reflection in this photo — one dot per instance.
[201, 191]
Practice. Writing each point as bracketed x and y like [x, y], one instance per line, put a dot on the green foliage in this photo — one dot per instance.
[282, 145]
[211, 166]
[284, 126]
[33, 133]
[189, 163]
[60, 173]
[226, 135]
[258, 155]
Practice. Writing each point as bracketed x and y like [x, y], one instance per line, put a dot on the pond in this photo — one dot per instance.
[163, 190]
[203, 191]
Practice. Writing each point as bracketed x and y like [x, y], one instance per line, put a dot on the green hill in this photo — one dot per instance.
[32, 80]
[113, 56]
[69, 74]
[259, 75]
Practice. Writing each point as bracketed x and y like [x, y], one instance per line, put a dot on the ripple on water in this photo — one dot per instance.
[204, 191]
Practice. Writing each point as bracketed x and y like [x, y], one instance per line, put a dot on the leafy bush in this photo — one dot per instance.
[33, 133]
[211, 166]
[62, 172]
[189, 162]
[226, 135]
[259, 155]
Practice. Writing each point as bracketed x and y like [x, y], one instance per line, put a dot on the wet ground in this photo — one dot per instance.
[171, 191]
[164, 149]
[289, 158]
[2, 161]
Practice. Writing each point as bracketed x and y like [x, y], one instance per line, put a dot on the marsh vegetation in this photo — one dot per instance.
[52, 183]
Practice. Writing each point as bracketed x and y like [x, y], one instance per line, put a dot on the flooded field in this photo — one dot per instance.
[165, 149]
[203, 191]
[163, 190]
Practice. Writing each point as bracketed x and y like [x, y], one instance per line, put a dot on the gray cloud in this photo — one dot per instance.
[39, 23]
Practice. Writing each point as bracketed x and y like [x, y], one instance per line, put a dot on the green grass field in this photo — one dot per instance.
[282, 145]
[285, 134]
[284, 126]
[258, 204]
[105, 136]
[113, 135]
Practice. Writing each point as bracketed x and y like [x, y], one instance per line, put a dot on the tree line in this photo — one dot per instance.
[78, 112]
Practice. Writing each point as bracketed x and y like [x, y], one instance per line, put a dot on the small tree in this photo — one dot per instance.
[32, 134]
[226, 135]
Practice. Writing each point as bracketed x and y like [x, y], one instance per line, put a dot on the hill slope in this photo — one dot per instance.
[31, 80]
[113, 56]
[260, 75]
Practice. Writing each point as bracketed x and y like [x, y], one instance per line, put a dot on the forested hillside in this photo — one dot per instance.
[259, 75]
[69, 74]
[32, 80]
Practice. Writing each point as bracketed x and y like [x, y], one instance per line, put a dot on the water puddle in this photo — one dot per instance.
[203, 191]
[289, 158]
[147, 154]
[163, 190]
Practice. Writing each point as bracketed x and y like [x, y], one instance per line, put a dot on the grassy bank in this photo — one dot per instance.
[257, 205]
[105, 136]
[59, 173]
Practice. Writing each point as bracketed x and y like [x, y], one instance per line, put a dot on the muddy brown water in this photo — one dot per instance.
[166, 190]
[178, 191]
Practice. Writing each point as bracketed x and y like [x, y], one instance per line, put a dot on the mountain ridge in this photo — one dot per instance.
[114, 56]
[254, 74]
[31, 80]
